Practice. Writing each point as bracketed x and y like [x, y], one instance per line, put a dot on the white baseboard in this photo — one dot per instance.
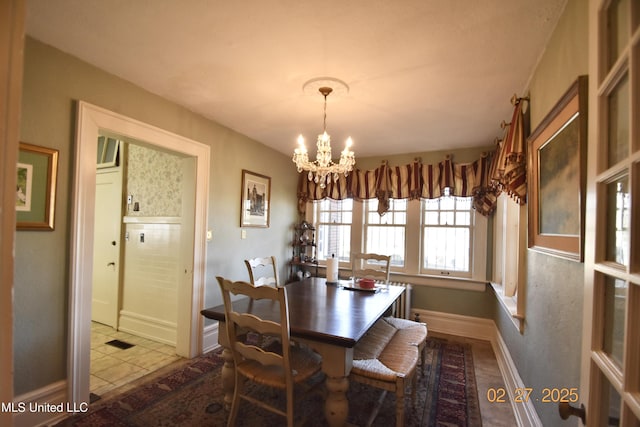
[485, 329]
[147, 327]
[210, 338]
[455, 324]
[44, 406]
[525, 413]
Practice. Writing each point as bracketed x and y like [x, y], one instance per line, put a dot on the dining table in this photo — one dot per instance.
[330, 318]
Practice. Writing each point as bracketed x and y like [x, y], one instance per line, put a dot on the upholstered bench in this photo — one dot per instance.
[412, 332]
[386, 359]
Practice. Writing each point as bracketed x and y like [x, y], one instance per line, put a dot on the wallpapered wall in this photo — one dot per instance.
[154, 178]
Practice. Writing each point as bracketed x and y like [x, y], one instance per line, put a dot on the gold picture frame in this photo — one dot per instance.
[37, 171]
[255, 200]
[556, 176]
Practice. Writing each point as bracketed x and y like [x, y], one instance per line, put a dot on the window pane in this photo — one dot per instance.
[618, 218]
[387, 240]
[615, 297]
[446, 218]
[446, 245]
[447, 203]
[100, 153]
[385, 234]
[334, 239]
[446, 248]
[432, 205]
[614, 399]
[431, 217]
[463, 203]
[619, 122]
[111, 150]
[334, 229]
[617, 28]
[463, 218]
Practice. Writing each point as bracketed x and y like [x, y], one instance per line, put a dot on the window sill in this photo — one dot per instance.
[510, 306]
[441, 282]
[422, 280]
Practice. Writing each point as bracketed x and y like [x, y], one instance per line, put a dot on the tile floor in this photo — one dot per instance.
[487, 376]
[113, 367]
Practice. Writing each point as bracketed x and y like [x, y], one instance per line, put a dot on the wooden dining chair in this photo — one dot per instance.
[263, 271]
[373, 266]
[283, 368]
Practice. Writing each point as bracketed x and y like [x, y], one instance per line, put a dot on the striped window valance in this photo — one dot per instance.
[410, 181]
[483, 179]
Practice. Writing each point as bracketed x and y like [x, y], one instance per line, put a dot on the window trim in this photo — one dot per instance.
[510, 216]
[411, 272]
[366, 224]
[477, 253]
[315, 220]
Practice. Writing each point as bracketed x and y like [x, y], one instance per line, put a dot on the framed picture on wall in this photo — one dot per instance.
[557, 177]
[255, 200]
[37, 171]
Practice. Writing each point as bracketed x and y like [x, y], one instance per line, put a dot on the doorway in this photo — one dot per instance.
[144, 210]
[92, 121]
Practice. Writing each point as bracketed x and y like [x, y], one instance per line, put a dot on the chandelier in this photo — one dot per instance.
[323, 168]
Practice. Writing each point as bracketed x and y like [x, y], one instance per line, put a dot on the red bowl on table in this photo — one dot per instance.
[367, 283]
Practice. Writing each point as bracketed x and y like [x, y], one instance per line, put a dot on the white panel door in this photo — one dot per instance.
[106, 247]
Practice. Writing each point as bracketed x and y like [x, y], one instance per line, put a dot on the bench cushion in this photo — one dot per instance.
[374, 341]
[396, 361]
[384, 353]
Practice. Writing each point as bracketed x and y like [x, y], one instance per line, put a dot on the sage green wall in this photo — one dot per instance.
[53, 82]
[547, 354]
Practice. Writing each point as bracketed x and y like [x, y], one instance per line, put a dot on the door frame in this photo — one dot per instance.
[12, 16]
[90, 121]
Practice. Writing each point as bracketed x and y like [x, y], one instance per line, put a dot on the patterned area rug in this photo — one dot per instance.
[190, 394]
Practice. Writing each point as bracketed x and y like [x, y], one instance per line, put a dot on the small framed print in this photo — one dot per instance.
[255, 200]
[37, 171]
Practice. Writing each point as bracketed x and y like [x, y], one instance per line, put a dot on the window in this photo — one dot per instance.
[447, 236]
[333, 225]
[509, 279]
[386, 234]
[443, 238]
[108, 152]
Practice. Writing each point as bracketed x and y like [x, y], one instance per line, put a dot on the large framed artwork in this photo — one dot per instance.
[255, 200]
[556, 176]
[37, 171]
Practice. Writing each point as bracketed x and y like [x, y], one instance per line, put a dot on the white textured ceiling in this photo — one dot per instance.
[422, 74]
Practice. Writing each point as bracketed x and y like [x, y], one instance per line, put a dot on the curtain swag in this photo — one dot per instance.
[483, 179]
[508, 171]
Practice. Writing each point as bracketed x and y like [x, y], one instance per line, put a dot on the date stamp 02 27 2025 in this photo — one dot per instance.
[526, 394]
